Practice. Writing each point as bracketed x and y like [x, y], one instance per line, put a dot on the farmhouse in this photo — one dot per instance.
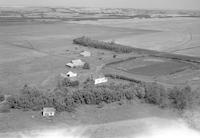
[48, 112]
[78, 62]
[69, 74]
[85, 53]
[70, 65]
[75, 63]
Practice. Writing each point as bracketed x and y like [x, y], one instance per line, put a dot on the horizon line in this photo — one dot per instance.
[171, 9]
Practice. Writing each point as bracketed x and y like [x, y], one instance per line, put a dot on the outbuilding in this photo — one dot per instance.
[48, 112]
[100, 80]
[85, 53]
[75, 63]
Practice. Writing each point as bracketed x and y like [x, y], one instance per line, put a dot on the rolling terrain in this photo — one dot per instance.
[35, 46]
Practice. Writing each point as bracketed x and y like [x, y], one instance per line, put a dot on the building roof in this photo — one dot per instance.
[78, 62]
[70, 65]
[71, 74]
[100, 80]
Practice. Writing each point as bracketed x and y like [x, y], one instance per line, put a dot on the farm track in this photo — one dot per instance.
[184, 43]
[32, 48]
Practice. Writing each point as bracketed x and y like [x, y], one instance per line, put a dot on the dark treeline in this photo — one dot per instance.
[65, 99]
[85, 41]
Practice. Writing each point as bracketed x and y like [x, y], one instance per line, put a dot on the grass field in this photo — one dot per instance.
[174, 35]
[36, 53]
[158, 69]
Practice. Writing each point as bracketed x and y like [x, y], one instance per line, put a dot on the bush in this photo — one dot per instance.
[34, 99]
[66, 82]
[156, 94]
[86, 66]
[1, 97]
[31, 98]
[182, 98]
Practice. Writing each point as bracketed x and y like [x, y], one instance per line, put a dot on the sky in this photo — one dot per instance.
[149, 4]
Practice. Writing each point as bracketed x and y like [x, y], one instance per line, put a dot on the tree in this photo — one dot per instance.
[86, 66]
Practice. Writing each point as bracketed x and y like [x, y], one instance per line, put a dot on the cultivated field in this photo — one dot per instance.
[36, 54]
[177, 35]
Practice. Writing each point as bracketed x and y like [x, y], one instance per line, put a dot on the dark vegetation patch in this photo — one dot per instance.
[121, 77]
[165, 68]
[85, 41]
[1, 97]
[32, 98]
[63, 98]
[86, 66]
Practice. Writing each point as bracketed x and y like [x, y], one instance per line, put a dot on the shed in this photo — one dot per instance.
[100, 80]
[48, 111]
[85, 53]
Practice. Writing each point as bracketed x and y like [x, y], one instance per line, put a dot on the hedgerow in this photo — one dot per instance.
[32, 98]
[85, 41]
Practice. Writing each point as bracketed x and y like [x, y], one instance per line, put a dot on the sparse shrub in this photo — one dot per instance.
[86, 66]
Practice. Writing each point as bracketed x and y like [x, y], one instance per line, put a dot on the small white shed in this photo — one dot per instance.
[100, 80]
[48, 112]
[85, 53]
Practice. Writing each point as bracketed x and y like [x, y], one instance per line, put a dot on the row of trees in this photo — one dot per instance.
[32, 98]
[112, 46]
[63, 98]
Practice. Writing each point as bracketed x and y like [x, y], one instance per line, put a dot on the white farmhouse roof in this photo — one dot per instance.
[100, 80]
[78, 62]
[75, 63]
[85, 53]
[71, 65]
[71, 74]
